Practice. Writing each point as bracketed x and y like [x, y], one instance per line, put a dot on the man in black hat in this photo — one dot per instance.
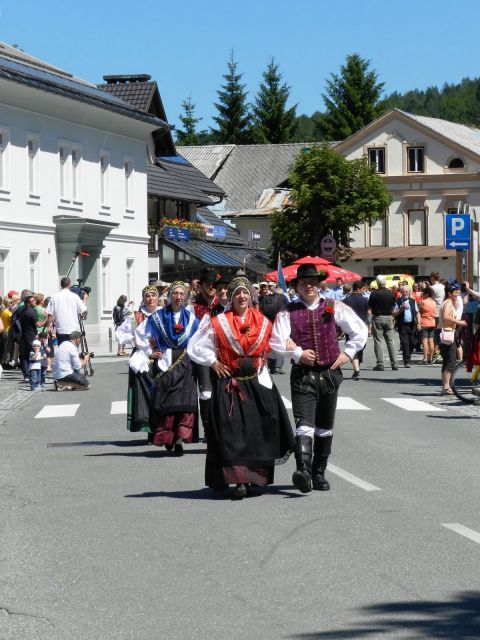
[221, 288]
[67, 365]
[306, 330]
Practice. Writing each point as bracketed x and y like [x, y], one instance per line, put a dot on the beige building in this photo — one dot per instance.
[429, 166]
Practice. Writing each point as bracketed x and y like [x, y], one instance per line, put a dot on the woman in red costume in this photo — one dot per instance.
[249, 428]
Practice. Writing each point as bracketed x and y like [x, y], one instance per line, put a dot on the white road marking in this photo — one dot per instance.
[287, 402]
[119, 406]
[349, 477]
[58, 411]
[410, 404]
[350, 404]
[463, 531]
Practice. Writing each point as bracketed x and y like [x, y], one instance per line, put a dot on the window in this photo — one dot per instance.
[63, 157]
[32, 150]
[376, 158]
[33, 258]
[104, 180]
[378, 233]
[417, 227]
[128, 168]
[105, 284]
[3, 160]
[456, 163]
[415, 159]
[3, 270]
[130, 290]
[75, 161]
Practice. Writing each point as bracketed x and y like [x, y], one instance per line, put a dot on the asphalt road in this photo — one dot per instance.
[106, 538]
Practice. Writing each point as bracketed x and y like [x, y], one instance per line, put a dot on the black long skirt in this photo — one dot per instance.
[248, 430]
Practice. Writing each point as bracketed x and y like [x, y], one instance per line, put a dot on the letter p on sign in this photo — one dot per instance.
[457, 225]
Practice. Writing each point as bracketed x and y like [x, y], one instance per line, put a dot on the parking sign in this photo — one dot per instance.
[457, 232]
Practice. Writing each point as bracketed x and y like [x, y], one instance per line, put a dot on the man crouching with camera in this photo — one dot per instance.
[68, 363]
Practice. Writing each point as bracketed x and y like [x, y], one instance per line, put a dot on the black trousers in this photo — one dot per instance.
[407, 340]
[314, 395]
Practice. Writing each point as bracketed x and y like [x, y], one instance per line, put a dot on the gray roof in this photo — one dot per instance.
[462, 134]
[17, 66]
[205, 216]
[245, 170]
[181, 167]
[138, 94]
[164, 183]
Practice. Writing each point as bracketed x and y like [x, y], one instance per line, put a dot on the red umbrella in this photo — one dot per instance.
[333, 272]
[312, 260]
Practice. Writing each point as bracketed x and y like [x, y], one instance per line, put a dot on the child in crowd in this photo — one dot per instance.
[37, 366]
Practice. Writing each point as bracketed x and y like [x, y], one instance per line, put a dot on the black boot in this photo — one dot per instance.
[302, 477]
[321, 450]
[204, 410]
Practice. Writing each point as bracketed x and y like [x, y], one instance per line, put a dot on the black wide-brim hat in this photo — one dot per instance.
[208, 275]
[309, 270]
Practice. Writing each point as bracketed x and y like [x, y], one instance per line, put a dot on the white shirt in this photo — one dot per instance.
[438, 295]
[66, 360]
[345, 318]
[65, 307]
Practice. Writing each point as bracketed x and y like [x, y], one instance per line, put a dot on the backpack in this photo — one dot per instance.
[117, 316]
[16, 324]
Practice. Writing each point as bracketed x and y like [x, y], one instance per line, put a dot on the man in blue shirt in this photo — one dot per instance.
[406, 313]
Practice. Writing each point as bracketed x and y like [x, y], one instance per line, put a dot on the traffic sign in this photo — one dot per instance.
[328, 246]
[457, 232]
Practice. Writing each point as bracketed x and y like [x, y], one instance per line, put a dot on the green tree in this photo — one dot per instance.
[272, 121]
[233, 119]
[352, 99]
[330, 196]
[189, 135]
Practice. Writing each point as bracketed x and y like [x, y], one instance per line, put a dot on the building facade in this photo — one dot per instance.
[73, 179]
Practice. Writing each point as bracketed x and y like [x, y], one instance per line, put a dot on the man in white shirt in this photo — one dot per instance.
[64, 308]
[306, 331]
[67, 364]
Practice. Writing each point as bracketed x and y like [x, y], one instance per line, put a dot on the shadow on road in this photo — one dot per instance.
[455, 618]
[151, 453]
[207, 494]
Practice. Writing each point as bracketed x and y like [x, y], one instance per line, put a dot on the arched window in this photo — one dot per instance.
[456, 163]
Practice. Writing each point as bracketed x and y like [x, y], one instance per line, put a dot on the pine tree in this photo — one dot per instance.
[233, 120]
[272, 121]
[352, 99]
[189, 135]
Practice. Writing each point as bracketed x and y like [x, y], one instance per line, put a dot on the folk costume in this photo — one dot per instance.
[249, 427]
[174, 401]
[314, 388]
[210, 307]
[140, 382]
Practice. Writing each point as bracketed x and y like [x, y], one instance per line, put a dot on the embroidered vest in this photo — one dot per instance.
[310, 331]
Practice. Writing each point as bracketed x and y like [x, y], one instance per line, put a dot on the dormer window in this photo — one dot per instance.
[456, 163]
[376, 158]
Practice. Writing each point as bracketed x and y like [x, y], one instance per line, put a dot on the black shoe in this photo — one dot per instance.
[240, 491]
[407, 365]
[379, 367]
[178, 449]
[302, 481]
[169, 447]
[356, 375]
[394, 367]
[319, 482]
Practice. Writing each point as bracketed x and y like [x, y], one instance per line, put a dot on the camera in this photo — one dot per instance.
[81, 291]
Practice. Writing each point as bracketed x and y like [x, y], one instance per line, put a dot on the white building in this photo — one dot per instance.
[429, 166]
[73, 177]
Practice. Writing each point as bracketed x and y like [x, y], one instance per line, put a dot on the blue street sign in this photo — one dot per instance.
[220, 232]
[170, 232]
[457, 232]
[184, 234]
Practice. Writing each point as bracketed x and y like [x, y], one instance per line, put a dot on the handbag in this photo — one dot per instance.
[447, 336]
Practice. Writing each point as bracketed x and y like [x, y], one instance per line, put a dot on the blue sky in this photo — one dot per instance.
[185, 45]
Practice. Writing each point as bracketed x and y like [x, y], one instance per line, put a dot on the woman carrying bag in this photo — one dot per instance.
[448, 322]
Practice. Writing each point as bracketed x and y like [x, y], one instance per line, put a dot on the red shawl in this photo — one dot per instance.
[251, 336]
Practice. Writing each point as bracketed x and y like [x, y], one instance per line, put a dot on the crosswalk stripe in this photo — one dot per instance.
[463, 531]
[287, 402]
[349, 404]
[118, 407]
[410, 404]
[349, 477]
[58, 411]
